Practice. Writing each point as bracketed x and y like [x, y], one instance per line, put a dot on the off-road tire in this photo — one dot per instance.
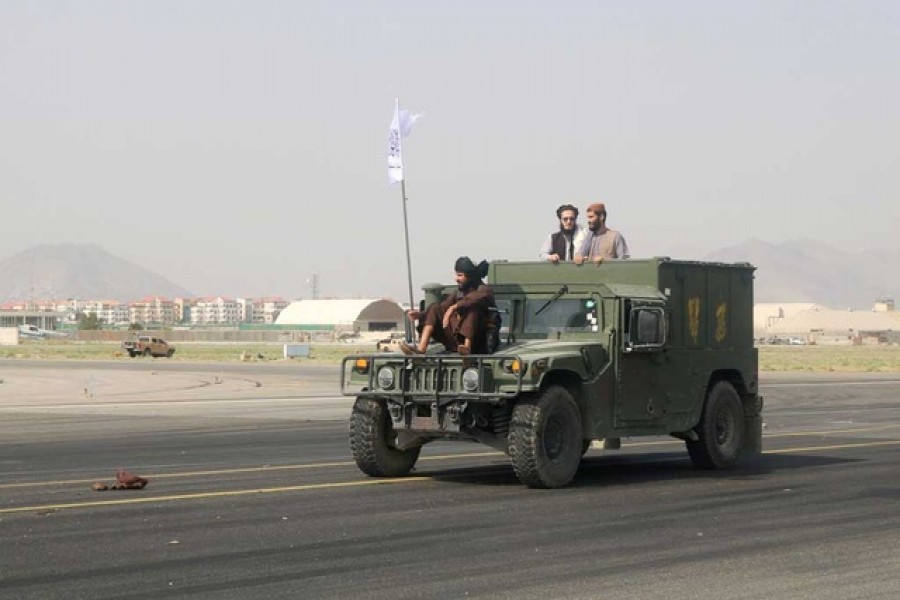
[721, 429]
[371, 441]
[545, 440]
[170, 352]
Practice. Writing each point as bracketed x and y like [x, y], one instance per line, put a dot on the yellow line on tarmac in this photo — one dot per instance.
[442, 457]
[263, 469]
[835, 447]
[345, 484]
[226, 493]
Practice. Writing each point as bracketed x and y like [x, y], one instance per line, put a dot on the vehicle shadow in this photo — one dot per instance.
[635, 469]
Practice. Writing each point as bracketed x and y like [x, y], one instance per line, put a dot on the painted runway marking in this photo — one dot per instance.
[789, 384]
[221, 494]
[344, 484]
[442, 457]
[171, 402]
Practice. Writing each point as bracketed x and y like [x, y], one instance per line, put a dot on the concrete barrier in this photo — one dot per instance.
[9, 336]
[296, 350]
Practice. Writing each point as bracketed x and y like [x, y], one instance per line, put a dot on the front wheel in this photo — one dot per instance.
[545, 443]
[372, 440]
[720, 431]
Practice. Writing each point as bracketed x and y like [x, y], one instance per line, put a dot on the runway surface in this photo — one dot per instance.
[253, 494]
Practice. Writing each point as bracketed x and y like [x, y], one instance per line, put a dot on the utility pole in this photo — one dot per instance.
[313, 282]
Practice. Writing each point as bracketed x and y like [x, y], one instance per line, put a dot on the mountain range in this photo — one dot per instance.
[83, 271]
[793, 271]
[813, 271]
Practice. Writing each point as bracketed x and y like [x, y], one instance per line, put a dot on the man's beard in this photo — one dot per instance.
[567, 232]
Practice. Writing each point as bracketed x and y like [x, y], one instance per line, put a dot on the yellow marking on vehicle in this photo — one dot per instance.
[220, 494]
[693, 306]
[721, 322]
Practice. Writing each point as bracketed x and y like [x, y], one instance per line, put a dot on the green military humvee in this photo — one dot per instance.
[626, 348]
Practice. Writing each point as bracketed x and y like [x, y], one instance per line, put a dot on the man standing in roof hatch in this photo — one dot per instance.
[563, 244]
[600, 242]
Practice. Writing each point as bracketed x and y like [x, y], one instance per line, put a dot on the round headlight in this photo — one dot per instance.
[385, 378]
[470, 380]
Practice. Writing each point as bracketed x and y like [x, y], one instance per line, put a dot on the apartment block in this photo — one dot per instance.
[152, 311]
[215, 311]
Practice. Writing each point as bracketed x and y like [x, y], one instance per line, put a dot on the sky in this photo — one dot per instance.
[240, 147]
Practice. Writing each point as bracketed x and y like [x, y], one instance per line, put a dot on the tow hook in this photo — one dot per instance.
[454, 411]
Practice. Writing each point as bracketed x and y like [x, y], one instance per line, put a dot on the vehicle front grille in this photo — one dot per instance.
[432, 378]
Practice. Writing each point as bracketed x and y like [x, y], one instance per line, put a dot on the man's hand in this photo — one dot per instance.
[447, 315]
[413, 315]
[598, 260]
[554, 258]
[579, 259]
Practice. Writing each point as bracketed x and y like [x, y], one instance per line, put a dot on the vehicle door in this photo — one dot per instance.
[643, 379]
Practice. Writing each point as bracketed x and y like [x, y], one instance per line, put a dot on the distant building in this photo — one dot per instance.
[265, 311]
[108, 312]
[815, 324]
[153, 310]
[357, 314]
[215, 311]
[884, 305]
[44, 319]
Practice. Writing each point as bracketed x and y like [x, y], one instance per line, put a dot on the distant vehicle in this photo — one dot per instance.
[146, 345]
[391, 344]
[797, 342]
[36, 333]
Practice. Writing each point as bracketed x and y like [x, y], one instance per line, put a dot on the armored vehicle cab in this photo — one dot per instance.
[627, 348]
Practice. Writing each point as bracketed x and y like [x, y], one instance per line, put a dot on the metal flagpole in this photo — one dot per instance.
[406, 234]
[404, 200]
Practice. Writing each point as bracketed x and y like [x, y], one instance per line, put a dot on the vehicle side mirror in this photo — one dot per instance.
[647, 329]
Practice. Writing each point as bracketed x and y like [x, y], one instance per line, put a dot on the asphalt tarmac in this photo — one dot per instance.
[253, 494]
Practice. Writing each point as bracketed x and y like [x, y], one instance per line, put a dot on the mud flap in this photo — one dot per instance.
[752, 448]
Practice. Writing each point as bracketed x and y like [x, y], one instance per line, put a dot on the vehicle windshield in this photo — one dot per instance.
[563, 315]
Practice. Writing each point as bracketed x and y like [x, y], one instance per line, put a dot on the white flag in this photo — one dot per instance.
[401, 125]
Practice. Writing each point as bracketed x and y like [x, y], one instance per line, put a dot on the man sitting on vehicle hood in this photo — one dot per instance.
[460, 320]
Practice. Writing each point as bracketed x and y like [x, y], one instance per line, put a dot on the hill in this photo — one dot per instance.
[812, 271]
[83, 271]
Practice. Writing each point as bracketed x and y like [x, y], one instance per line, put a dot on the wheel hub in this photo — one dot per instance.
[554, 438]
[724, 428]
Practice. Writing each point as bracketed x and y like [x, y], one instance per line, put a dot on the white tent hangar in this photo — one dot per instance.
[358, 314]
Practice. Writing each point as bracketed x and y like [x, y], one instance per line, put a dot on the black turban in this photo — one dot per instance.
[565, 207]
[465, 265]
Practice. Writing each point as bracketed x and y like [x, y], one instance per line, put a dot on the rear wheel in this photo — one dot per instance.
[372, 439]
[545, 443]
[720, 431]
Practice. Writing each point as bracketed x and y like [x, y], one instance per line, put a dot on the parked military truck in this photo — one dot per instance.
[624, 349]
